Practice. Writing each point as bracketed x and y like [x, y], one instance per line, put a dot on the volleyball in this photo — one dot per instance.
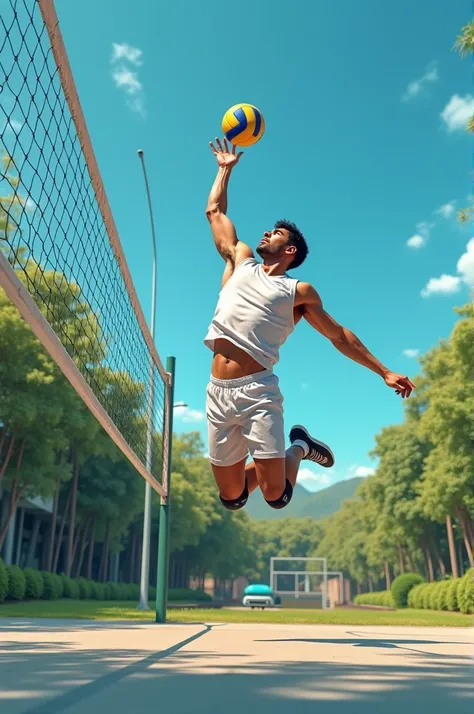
[243, 125]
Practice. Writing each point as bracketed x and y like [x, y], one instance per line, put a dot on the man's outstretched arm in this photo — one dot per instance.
[345, 341]
[223, 230]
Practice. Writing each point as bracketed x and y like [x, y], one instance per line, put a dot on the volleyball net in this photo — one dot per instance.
[61, 260]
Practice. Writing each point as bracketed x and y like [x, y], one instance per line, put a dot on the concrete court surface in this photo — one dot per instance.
[79, 667]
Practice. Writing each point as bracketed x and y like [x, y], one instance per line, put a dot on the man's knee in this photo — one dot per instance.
[284, 499]
[235, 504]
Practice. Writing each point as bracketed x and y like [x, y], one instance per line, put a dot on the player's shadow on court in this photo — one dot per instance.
[365, 642]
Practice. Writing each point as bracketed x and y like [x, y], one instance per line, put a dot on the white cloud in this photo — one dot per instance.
[126, 77]
[126, 52]
[30, 205]
[420, 238]
[444, 285]
[449, 284]
[465, 264]
[137, 105]
[411, 353]
[416, 241]
[313, 481]
[457, 112]
[188, 416]
[447, 209]
[127, 80]
[418, 85]
[361, 471]
[424, 228]
[11, 124]
[15, 125]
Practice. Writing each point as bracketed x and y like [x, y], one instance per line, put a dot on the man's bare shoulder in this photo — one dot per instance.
[242, 252]
[306, 294]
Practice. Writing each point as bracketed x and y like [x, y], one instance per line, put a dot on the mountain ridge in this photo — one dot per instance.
[316, 505]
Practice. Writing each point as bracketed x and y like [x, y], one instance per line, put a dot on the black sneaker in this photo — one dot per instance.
[319, 452]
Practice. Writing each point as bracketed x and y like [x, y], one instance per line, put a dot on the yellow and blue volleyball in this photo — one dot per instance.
[243, 125]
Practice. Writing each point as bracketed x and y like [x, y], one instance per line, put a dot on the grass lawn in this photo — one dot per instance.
[96, 610]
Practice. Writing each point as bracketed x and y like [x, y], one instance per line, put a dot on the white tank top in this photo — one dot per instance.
[254, 312]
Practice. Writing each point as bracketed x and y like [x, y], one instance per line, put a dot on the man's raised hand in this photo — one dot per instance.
[401, 385]
[225, 158]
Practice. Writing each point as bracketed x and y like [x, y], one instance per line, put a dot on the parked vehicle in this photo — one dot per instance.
[259, 596]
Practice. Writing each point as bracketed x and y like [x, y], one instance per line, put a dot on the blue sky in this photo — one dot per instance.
[365, 149]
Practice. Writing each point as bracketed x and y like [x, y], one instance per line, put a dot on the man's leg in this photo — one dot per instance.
[271, 474]
[233, 489]
[230, 480]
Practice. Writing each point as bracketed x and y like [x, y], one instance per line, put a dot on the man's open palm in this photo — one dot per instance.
[223, 155]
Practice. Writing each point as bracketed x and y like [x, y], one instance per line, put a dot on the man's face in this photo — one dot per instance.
[273, 243]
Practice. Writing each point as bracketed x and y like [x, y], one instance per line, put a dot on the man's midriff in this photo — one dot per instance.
[230, 362]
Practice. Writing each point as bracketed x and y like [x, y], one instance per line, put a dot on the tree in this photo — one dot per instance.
[465, 45]
[448, 484]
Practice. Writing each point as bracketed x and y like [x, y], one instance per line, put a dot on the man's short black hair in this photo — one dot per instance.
[297, 239]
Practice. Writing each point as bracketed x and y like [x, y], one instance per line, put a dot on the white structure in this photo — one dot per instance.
[307, 577]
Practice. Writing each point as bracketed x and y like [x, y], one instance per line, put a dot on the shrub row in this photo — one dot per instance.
[453, 595]
[409, 590]
[381, 599]
[30, 584]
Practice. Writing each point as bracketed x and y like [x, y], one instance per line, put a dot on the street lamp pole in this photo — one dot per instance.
[145, 566]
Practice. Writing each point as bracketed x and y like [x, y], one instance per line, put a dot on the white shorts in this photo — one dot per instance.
[245, 416]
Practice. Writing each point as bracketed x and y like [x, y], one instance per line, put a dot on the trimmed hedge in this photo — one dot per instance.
[466, 593]
[70, 588]
[3, 581]
[401, 587]
[380, 599]
[16, 583]
[34, 584]
[453, 595]
[53, 586]
[85, 588]
[186, 594]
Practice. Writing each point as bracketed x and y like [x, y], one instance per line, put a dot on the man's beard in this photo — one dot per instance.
[265, 250]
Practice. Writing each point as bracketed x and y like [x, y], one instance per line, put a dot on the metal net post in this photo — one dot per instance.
[164, 525]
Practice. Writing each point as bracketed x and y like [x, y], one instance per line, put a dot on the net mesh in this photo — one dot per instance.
[53, 234]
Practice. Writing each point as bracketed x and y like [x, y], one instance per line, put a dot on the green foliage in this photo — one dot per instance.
[58, 586]
[16, 583]
[113, 591]
[34, 584]
[441, 602]
[187, 595]
[132, 591]
[98, 591]
[433, 596]
[70, 588]
[85, 588]
[380, 599]
[3, 581]
[48, 586]
[426, 596]
[415, 596]
[53, 586]
[466, 593]
[452, 595]
[401, 587]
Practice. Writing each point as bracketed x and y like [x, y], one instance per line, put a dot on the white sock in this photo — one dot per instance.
[303, 445]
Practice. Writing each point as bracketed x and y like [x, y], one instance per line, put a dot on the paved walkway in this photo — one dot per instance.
[77, 667]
